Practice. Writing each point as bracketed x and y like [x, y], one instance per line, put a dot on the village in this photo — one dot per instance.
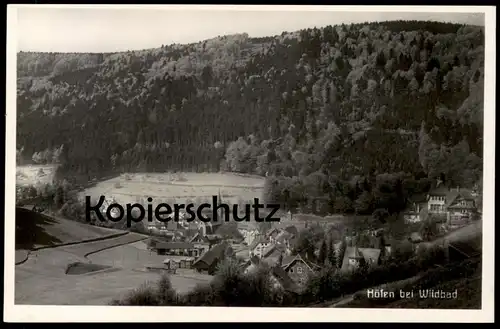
[200, 247]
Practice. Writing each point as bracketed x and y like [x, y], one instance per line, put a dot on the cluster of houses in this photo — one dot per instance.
[197, 245]
[451, 207]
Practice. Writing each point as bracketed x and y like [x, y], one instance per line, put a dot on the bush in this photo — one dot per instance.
[146, 295]
[166, 294]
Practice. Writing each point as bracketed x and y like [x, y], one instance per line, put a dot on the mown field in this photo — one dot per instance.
[178, 188]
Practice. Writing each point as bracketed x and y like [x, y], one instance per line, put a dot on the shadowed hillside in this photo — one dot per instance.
[324, 110]
[31, 230]
[35, 230]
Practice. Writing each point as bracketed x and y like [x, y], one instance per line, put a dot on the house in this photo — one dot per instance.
[208, 262]
[249, 231]
[299, 270]
[274, 257]
[353, 256]
[455, 206]
[286, 240]
[412, 214]
[259, 246]
[281, 280]
[201, 243]
[461, 208]
[175, 263]
[251, 265]
[213, 240]
[272, 234]
[176, 249]
[436, 200]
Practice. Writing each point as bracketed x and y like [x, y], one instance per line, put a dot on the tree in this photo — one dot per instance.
[341, 253]
[428, 230]
[363, 266]
[59, 197]
[306, 244]
[323, 253]
[332, 254]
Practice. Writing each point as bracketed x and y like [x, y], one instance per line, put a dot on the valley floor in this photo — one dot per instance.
[41, 280]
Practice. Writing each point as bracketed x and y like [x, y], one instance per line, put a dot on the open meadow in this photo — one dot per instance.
[42, 279]
[181, 188]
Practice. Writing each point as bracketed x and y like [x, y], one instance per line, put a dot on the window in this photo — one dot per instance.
[299, 270]
[291, 270]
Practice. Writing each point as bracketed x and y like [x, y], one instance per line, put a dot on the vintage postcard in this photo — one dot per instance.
[301, 163]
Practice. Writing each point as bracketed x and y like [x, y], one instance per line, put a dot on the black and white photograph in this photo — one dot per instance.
[262, 157]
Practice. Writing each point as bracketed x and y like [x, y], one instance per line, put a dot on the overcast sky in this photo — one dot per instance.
[117, 29]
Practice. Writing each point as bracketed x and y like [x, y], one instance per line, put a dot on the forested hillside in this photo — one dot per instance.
[341, 118]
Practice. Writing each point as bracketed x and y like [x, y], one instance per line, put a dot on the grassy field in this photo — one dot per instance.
[41, 280]
[178, 188]
[34, 174]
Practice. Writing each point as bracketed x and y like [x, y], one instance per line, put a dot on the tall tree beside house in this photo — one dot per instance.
[363, 266]
[332, 254]
[340, 255]
[323, 252]
[381, 242]
[305, 244]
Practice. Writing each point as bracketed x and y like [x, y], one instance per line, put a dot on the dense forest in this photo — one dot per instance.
[347, 118]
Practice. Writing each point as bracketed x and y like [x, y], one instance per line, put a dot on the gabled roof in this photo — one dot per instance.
[455, 195]
[196, 237]
[284, 279]
[214, 254]
[268, 250]
[287, 260]
[283, 237]
[371, 255]
[298, 258]
[258, 239]
[271, 231]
